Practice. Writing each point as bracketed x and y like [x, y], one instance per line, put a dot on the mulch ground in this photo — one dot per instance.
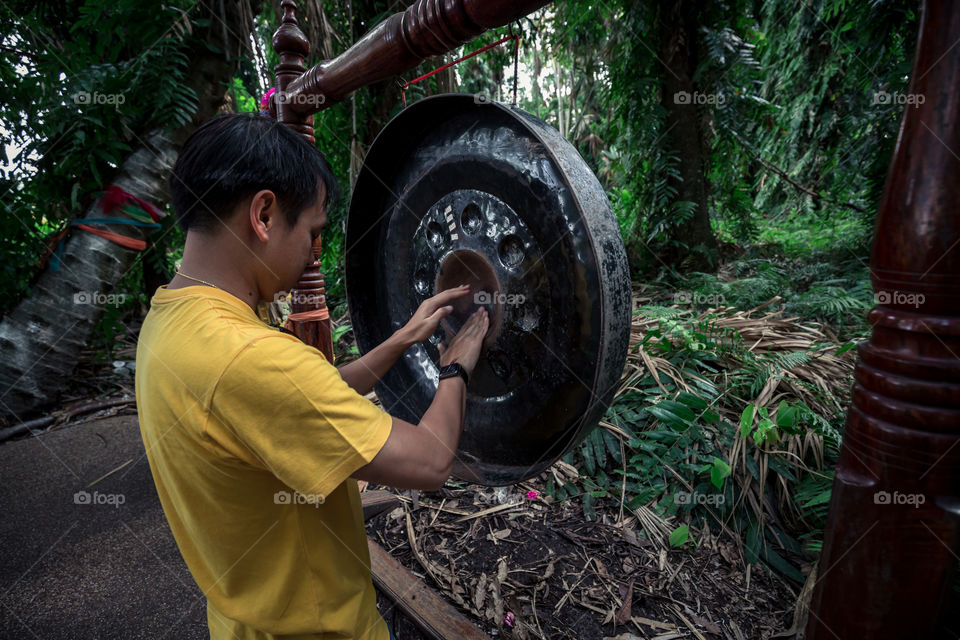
[501, 557]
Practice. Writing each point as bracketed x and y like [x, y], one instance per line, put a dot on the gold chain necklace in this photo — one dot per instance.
[209, 284]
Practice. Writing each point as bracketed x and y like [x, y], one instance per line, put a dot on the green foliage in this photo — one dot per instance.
[663, 425]
[757, 370]
[340, 344]
[676, 444]
[719, 471]
[680, 536]
[831, 303]
[795, 93]
[759, 547]
[242, 99]
[594, 72]
[812, 497]
[100, 75]
[837, 293]
[827, 125]
[758, 283]
[840, 236]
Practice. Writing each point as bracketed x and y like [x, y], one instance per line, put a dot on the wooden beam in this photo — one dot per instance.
[376, 502]
[434, 617]
[426, 28]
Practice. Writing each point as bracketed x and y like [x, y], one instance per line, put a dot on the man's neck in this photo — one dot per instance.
[202, 263]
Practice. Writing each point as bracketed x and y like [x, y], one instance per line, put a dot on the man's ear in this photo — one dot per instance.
[264, 214]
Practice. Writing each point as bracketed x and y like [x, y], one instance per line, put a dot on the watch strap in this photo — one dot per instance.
[454, 369]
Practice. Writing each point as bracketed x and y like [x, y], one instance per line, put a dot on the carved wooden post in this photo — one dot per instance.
[309, 318]
[401, 42]
[892, 532]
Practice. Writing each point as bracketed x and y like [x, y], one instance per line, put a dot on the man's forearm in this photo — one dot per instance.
[444, 417]
[363, 373]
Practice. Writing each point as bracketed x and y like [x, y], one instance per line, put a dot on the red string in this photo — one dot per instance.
[516, 47]
[123, 241]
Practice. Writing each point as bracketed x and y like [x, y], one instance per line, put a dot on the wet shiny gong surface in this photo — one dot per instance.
[453, 192]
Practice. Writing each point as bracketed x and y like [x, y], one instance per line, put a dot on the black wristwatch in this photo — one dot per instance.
[454, 369]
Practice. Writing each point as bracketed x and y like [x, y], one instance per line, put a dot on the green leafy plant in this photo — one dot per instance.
[681, 536]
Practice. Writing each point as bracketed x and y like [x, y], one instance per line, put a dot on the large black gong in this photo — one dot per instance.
[454, 191]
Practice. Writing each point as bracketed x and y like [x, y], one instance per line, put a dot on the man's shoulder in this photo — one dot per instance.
[204, 337]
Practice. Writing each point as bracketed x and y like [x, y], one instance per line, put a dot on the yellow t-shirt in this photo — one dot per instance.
[251, 437]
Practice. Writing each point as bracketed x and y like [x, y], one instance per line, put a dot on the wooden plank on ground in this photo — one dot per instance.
[376, 502]
[435, 617]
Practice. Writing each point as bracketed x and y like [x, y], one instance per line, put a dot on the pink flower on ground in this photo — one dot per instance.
[508, 619]
[533, 495]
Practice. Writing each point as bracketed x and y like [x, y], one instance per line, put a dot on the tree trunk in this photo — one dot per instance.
[680, 96]
[42, 337]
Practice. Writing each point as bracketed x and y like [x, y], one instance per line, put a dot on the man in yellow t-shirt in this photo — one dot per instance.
[255, 441]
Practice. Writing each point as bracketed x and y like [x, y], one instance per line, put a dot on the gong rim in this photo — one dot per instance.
[394, 225]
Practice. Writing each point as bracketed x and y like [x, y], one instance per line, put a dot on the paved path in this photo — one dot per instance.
[74, 570]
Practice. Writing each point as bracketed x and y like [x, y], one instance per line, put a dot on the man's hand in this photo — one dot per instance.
[425, 320]
[465, 346]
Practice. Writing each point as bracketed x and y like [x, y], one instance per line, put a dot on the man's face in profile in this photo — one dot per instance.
[289, 252]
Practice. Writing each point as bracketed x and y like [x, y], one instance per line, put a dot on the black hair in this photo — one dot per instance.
[231, 157]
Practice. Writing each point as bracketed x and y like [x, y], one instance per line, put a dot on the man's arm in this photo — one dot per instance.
[364, 372]
[421, 456]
